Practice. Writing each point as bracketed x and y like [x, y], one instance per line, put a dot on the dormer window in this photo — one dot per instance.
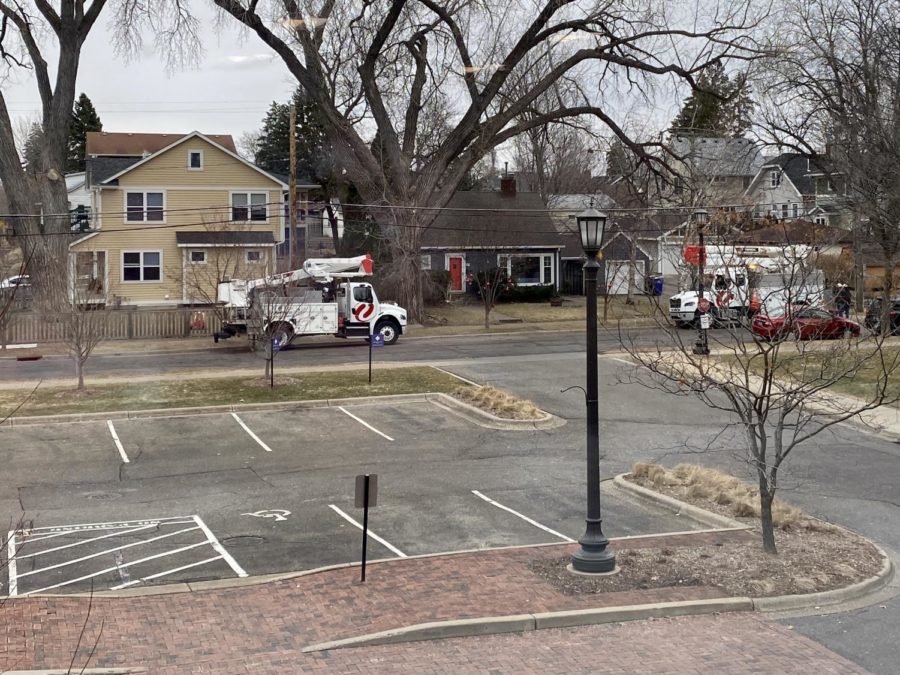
[774, 178]
[195, 160]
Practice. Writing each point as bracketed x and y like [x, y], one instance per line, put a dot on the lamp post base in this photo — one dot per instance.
[594, 557]
[701, 349]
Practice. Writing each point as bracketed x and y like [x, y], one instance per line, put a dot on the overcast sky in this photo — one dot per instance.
[228, 92]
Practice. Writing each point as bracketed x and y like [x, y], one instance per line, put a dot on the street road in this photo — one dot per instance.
[331, 351]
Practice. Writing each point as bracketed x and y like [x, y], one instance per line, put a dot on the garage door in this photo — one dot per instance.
[617, 273]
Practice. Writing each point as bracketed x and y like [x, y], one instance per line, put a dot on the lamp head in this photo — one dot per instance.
[591, 224]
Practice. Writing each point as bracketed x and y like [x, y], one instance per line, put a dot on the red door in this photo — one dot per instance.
[456, 274]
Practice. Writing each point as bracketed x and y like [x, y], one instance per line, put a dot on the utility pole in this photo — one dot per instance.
[292, 191]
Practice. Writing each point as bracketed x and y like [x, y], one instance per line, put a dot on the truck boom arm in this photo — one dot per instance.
[320, 269]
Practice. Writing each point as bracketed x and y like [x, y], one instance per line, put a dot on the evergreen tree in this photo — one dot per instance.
[84, 119]
[31, 150]
[273, 146]
[719, 106]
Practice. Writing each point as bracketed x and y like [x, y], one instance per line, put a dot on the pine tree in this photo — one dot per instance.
[31, 151]
[273, 146]
[84, 119]
[719, 106]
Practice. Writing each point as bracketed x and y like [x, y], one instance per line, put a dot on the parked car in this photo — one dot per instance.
[875, 312]
[802, 323]
[18, 281]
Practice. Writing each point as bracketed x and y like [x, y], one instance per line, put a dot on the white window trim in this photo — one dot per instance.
[540, 257]
[254, 262]
[425, 262]
[202, 163]
[198, 262]
[247, 193]
[142, 280]
[774, 178]
[143, 192]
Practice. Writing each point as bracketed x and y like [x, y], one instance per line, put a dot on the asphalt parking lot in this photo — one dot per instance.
[131, 502]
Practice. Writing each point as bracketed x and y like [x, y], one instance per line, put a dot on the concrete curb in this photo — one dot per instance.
[520, 623]
[475, 415]
[487, 420]
[778, 603]
[677, 506]
[787, 603]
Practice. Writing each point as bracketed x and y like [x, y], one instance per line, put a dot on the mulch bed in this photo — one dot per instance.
[808, 561]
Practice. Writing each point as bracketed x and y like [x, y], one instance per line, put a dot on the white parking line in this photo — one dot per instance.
[252, 435]
[11, 562]
[523, 517]
[116, 568]
[115, 437]
[162, 574]
[86, 541]
[109, 550]
[226, 556]
[364, 423]
[374, 536]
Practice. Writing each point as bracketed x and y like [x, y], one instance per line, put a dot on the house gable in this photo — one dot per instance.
[170, 166]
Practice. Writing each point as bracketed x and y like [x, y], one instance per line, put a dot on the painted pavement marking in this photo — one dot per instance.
[364, 423]
[115, 437]
[250, 431]
[522, 516]
[374, 536]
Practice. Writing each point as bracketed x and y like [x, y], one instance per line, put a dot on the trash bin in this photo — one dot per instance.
[657, 285]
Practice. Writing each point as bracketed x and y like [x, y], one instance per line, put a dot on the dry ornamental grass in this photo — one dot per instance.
[499, 403]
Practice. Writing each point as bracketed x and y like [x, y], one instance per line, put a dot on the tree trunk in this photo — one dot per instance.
[888, 284]
[79, 372]
[766, 497]
[487, 315]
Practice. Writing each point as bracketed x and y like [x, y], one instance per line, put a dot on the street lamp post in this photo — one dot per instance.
[700, 216]
[593, 555]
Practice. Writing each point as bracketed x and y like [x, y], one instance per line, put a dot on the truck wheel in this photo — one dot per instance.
[389, 330]
[282, 334]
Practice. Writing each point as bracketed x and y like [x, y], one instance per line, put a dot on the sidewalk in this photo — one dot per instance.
[263, 628]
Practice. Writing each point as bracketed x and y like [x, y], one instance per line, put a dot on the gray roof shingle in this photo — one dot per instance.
[492, 220]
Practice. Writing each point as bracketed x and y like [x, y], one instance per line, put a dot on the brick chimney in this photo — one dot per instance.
[508, 185]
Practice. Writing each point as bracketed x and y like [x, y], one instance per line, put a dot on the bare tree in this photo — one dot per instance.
[490, 284]
[777, 384]
[76, 304]
[382, 66]
[32, 33]
[834, 96]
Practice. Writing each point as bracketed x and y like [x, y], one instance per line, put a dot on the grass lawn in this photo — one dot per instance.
[229, 390]
[467, 311]
[861, 385]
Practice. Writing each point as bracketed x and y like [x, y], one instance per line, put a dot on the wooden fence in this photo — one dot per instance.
[121, 324]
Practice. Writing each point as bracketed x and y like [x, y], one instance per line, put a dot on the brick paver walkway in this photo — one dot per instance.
[263, 628]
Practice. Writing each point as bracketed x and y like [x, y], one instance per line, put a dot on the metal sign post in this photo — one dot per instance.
[375, 340]
[366, 496]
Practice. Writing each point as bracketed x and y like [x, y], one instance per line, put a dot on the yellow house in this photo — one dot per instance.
[173, 215]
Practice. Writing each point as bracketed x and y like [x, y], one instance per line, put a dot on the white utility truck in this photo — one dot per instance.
[319, 299]
[745, 278]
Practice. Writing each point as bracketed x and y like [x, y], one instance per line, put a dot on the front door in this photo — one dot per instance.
[456, 276]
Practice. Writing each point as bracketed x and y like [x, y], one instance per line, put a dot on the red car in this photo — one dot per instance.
[802, 323]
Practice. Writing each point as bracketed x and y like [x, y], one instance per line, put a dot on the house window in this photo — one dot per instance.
[784, 211]
[528, 270]
[795, 210]
[718, 179]
[821, 220]
[831, 186]
[198, 257]
[426, 262]
[195, 160]
[144, 207]
[774, 178]
[254, 256]
[249, 206]
[141, 265]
